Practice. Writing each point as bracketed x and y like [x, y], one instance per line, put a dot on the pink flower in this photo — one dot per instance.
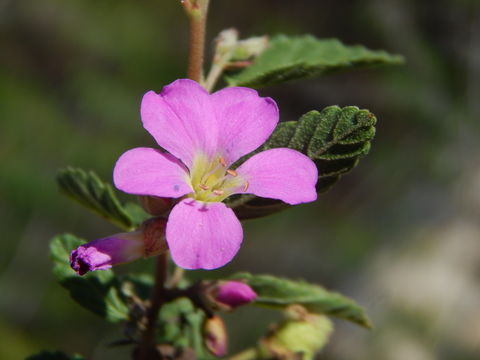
[204, 135]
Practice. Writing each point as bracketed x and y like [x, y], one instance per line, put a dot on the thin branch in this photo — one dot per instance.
[147, 345]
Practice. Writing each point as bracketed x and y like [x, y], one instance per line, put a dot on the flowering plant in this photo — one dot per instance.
[222, 157]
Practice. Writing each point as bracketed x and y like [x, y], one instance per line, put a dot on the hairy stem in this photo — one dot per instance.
[215, 72]
[197, 13]
[147, 345]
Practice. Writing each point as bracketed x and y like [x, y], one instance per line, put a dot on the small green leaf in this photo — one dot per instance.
[99, 196]
[96, 291]
[56, 355]
[335, 139]
[298, 57]
[279, 293]
[181, 325]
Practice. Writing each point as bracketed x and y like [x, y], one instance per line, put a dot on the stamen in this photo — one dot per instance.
[203, 187]
[221, 162]
[232, 172]
[218, 192]
[245, 187]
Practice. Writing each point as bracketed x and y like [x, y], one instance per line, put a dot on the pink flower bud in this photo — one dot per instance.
[102, 254]
[215, 336]
[235, 293]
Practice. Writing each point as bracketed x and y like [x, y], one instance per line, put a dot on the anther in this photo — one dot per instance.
[218, 192]
[222, 161]
[245, 187]
[232, 172]
[203, 187]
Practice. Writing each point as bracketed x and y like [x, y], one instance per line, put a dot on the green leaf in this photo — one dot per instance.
[300, 57]
[99, 197]
[96, 291]
[181, 325]
[57, 355]
[335, 139]
[279, 293]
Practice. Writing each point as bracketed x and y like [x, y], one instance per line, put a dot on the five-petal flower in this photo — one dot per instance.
[204, 134]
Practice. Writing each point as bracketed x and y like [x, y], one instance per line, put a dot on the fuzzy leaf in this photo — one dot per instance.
[298, 57]
[279, 293]
[96, 291]
[335, 139]
[54, 355]
[99, 196]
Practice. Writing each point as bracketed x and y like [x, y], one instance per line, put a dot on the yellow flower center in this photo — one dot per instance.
[212, 181]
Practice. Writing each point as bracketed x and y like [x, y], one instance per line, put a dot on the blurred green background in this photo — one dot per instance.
[400, 234]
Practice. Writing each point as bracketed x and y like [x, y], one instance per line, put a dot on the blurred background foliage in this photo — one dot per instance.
[400, 234]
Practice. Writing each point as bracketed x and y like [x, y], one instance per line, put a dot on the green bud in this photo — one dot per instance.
[250, 48]
[299, 337]
[226, 42]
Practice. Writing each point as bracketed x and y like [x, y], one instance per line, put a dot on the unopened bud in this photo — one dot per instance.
[156, 206]
[234, 293]
[250, 48]
[102, 254]
[225, 42]
[215, 336]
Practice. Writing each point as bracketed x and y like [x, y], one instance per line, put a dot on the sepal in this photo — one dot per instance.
[215, 336]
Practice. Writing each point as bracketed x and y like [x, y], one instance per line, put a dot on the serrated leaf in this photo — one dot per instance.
[279, 293]
[99, 197]
[335, 139]
[54, 355]
[96, 291]
[298, 57]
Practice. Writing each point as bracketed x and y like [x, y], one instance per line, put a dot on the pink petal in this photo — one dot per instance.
[146, 171]
[181, 119]
[245, 119]
[283, 174]
[203, 235]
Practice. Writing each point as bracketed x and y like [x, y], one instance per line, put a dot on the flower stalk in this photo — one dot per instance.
[147, 345]
[197, 11]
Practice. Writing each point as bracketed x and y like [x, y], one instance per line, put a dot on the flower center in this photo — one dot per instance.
[212, 181]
